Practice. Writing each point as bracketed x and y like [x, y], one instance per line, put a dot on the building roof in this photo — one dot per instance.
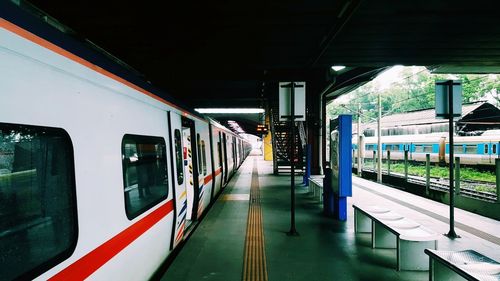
[476, 111]
[420, 117]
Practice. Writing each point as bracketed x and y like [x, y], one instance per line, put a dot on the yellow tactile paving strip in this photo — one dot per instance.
[254, 267]
[235, 197]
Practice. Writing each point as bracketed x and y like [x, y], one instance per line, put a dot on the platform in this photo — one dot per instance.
[325, 249]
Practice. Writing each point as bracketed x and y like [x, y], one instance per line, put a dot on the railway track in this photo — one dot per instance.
[467, 187]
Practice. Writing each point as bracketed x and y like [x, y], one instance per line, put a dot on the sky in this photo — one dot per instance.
[399, 73]
[385, 79]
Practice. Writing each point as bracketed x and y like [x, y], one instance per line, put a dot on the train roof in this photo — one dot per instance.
[491, 133]
[432, 138]
[216, 124]
[39, 25]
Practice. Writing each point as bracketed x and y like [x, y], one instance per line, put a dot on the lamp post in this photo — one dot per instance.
[359, 141]
[379, 145]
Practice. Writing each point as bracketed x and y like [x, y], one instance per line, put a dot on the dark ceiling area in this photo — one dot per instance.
[228, 53]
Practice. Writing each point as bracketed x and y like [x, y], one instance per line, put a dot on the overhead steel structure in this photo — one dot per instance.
[233, 54]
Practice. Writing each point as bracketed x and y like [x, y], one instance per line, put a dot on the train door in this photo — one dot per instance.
[179, 178]
[221, 161]
[442, 150]
[190, 169]
[236, 143]
[224, 154]
[235, 155]
[241, 152]
[493, 151]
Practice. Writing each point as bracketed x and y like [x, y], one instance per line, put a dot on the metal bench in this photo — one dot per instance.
[316, 186]
[393, 231]
[462, 265]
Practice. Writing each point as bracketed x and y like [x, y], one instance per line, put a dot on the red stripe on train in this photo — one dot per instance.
[218, 171]
[207, 179]
[92, 261]
[210, 177]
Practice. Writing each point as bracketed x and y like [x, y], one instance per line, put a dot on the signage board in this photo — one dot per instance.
[442, 98]
[285, 111]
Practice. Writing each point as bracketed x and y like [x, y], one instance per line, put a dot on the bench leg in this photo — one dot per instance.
[439, 271]
[411, 255]
[362, 223]
[382, 237]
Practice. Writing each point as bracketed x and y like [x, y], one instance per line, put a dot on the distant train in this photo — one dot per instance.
[472, 150]
[100, 177]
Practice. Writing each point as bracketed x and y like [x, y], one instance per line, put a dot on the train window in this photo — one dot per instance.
[458, 148]
[471, 149]
[179, 159]
[428, 148]
[494, 148]
[145, 180]
[486, 150]
[424, 148]
[419, 148]
[38, 223]
[198, 147]
[204, 157]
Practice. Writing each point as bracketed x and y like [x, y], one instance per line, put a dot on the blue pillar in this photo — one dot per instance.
[340, 208]
[341, 162]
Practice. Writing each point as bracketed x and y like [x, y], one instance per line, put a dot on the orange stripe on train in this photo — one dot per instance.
[60, 51]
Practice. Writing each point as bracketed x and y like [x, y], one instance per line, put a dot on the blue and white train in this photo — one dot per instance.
[472, 150]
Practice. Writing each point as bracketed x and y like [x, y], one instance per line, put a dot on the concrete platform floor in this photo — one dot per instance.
[325, 249]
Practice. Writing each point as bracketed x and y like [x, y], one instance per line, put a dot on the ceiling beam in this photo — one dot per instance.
[345, 13]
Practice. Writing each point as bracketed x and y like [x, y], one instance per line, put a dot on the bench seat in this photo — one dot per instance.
[462, 265]
[392, 230]
[316, 186]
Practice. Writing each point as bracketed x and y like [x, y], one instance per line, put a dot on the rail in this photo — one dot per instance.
[466, 186]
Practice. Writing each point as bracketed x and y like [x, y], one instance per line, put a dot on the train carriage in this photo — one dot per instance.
[98, 173]
[472, 150]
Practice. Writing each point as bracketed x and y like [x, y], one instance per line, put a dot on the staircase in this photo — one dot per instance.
[282, 144]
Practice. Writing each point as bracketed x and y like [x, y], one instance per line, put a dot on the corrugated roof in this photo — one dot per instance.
[420, 117]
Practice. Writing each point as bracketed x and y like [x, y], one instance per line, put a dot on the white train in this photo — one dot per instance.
[100, 178]
[472, 150]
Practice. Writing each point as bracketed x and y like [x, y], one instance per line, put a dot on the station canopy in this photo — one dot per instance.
[232, 53]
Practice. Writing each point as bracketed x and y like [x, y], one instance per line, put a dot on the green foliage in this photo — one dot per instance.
[443, 173]
[473, 174]
[414, 91]
[486, 188]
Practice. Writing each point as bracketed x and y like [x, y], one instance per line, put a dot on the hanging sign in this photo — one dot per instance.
[285, 93]
[443, 90]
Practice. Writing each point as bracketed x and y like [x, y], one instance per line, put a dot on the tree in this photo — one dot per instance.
[414, 91]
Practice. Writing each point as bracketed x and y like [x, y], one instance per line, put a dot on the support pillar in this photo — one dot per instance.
[267, 141]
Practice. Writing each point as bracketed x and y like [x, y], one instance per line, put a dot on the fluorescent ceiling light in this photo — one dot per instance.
[338, 67]
[230, 110]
